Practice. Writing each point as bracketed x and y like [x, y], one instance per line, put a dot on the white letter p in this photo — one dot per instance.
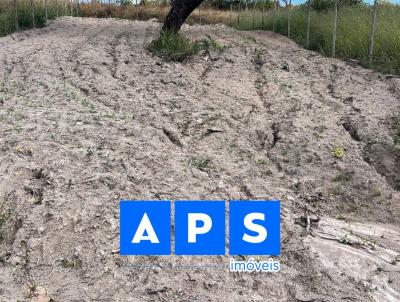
[193, 230]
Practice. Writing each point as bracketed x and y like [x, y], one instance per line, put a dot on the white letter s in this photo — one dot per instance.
[248, 223]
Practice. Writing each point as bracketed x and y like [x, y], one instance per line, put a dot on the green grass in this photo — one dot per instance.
[210, 42]
[353, 32]
[25, 19]
[176, 47]
[173, 47]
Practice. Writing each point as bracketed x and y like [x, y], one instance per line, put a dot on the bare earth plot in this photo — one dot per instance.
[88, 117]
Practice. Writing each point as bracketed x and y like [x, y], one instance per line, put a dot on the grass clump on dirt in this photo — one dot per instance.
[5, 216]
[343, 176]
[202, 164]
[176, 47]
[173, 46]
[211, 43]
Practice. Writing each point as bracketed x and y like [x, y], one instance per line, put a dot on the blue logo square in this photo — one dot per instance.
[199, 227]
[145, 227]
[254, 227]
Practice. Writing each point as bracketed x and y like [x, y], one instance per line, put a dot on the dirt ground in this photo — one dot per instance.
[88, 117]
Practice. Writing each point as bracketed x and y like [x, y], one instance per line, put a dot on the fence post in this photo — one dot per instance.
[45, 8]
[308, 25]
[262, 15]
[274, 23]
[289, 22]
[200, 15]
[16, 15]
[335, 29]
[254, 14]
[373, 29]
[230, 16]
[137, 11]
[238, 17]
[33, 14]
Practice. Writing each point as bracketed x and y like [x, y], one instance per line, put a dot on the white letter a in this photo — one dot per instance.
[145, 226]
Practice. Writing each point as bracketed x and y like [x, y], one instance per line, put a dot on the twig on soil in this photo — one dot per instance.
[308, 223]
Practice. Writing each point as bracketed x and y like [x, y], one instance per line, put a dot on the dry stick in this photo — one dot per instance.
[335, 29]
[308, 25]
[16, 15]
[57, 8]
[33, 14]
[373, 30]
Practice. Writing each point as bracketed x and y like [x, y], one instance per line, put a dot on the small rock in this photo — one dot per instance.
[286, 67]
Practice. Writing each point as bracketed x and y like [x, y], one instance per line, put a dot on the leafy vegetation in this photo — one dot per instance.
[202, 164]
[176, 47]
[338, 152]
[343, 176]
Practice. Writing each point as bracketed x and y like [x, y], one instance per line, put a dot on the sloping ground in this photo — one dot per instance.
[88, 117]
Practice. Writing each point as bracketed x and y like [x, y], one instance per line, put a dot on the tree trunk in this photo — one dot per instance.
[180, 10]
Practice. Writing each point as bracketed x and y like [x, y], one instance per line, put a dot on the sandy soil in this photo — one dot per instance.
[88, 117]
